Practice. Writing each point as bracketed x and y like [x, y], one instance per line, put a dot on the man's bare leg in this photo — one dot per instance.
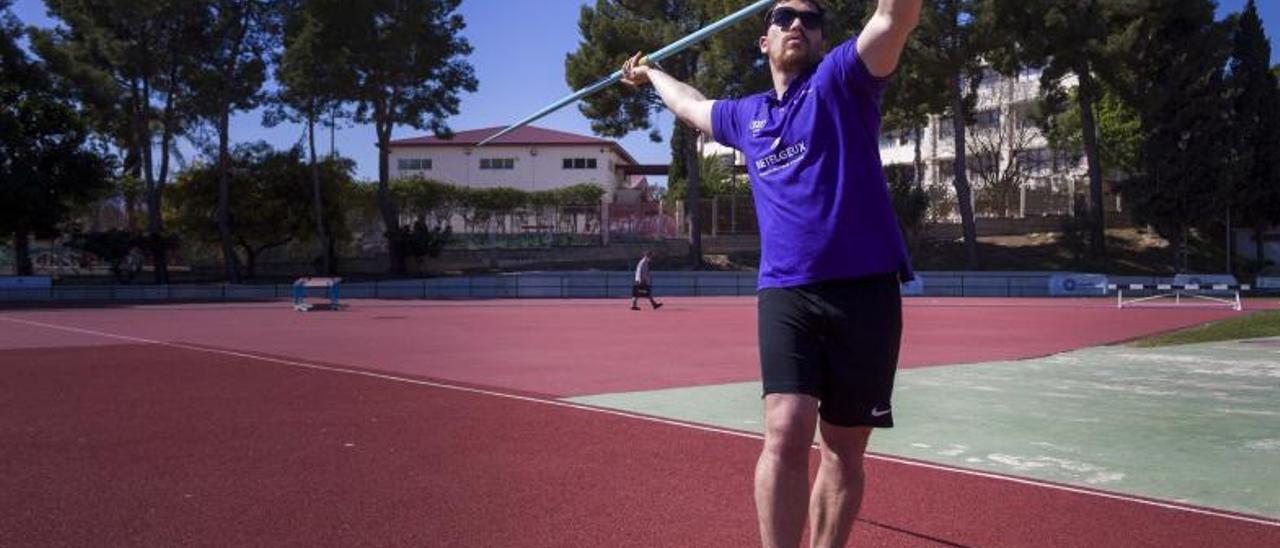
[837, 491]
[782, 473]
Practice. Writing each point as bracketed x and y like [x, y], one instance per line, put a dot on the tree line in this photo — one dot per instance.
[98, 102]
[1177, 107]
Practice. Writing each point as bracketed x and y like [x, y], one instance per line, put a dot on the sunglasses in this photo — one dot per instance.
[784, 17]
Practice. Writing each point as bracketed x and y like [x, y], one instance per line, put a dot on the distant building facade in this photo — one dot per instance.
[1013, 170]
[529, 158]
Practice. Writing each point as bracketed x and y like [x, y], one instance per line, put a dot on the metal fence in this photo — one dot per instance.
[533, 285]
[514, 286]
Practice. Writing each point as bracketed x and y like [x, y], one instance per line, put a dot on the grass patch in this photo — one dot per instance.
[1252, 326]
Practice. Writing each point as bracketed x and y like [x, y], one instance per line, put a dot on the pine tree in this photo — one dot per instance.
[1254, 165]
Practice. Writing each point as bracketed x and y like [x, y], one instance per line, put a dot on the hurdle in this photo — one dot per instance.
[330, 286]
[1177, 291]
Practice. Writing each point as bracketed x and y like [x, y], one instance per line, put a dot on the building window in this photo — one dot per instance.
[497, 163]
[987, 119]
[415, 164]
[895, 139]
[1037, 161]
[946, 128]
[984, 162]
[1044, 161]
[579, 163]
[946, 170]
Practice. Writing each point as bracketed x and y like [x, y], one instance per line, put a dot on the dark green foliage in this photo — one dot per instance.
[314, 84]
[1175, 53]
[949, 47]
[1066, 37]
[310, 68]
[611, 32]
[49, 170]
[682, 137]
[614, 30]
[120, 249]
[911, 205]
[910, 201]
[418, 240]
[407, 64]
[269, 194]
[134, 64]
[1075, 230]
[230, 69]
[1253, 163]
[1119, 129]
[423, 197]
[420, 198]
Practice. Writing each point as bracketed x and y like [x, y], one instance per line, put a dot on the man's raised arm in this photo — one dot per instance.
[686, 102]
[882, 40]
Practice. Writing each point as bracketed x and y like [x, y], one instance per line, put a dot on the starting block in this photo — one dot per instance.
[1223, 294]
[329, 285]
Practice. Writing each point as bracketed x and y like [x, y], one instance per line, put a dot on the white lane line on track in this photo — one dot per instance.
[703, 428]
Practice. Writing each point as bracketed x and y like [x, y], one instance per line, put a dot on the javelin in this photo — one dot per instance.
[675, 47]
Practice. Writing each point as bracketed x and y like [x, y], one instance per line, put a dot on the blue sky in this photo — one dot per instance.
[520, 48]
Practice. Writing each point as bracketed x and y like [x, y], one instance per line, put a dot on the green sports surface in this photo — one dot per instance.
[1195, 424]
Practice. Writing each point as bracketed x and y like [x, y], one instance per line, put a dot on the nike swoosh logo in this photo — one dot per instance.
[877, 413]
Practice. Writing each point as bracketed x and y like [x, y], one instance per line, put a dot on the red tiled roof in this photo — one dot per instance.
[523, 136]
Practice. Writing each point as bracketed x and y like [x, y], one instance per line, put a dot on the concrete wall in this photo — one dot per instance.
[1013, 227]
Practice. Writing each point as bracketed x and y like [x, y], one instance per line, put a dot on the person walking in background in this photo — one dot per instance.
[642, 286]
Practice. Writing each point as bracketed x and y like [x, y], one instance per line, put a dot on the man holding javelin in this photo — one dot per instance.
[832, 257]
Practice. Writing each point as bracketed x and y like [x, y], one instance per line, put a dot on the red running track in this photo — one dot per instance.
[156, 445]
[574, 348]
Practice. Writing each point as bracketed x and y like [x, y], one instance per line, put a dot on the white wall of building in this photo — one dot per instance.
[533, 168]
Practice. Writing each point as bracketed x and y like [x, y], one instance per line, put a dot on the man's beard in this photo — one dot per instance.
[797, 60]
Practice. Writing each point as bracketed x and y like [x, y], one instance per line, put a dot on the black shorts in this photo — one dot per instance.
[640, 290]
[837, 341]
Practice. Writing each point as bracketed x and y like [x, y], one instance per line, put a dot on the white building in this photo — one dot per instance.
[529, 158]
[1006, 149]
[1007, 154]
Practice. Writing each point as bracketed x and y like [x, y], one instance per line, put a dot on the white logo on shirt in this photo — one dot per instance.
[782, 158]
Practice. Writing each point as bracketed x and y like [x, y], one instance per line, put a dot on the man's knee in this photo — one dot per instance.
[787, 448]
[845, 445]
[790, 421]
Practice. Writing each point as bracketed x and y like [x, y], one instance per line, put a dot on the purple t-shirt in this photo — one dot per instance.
[814, 161]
